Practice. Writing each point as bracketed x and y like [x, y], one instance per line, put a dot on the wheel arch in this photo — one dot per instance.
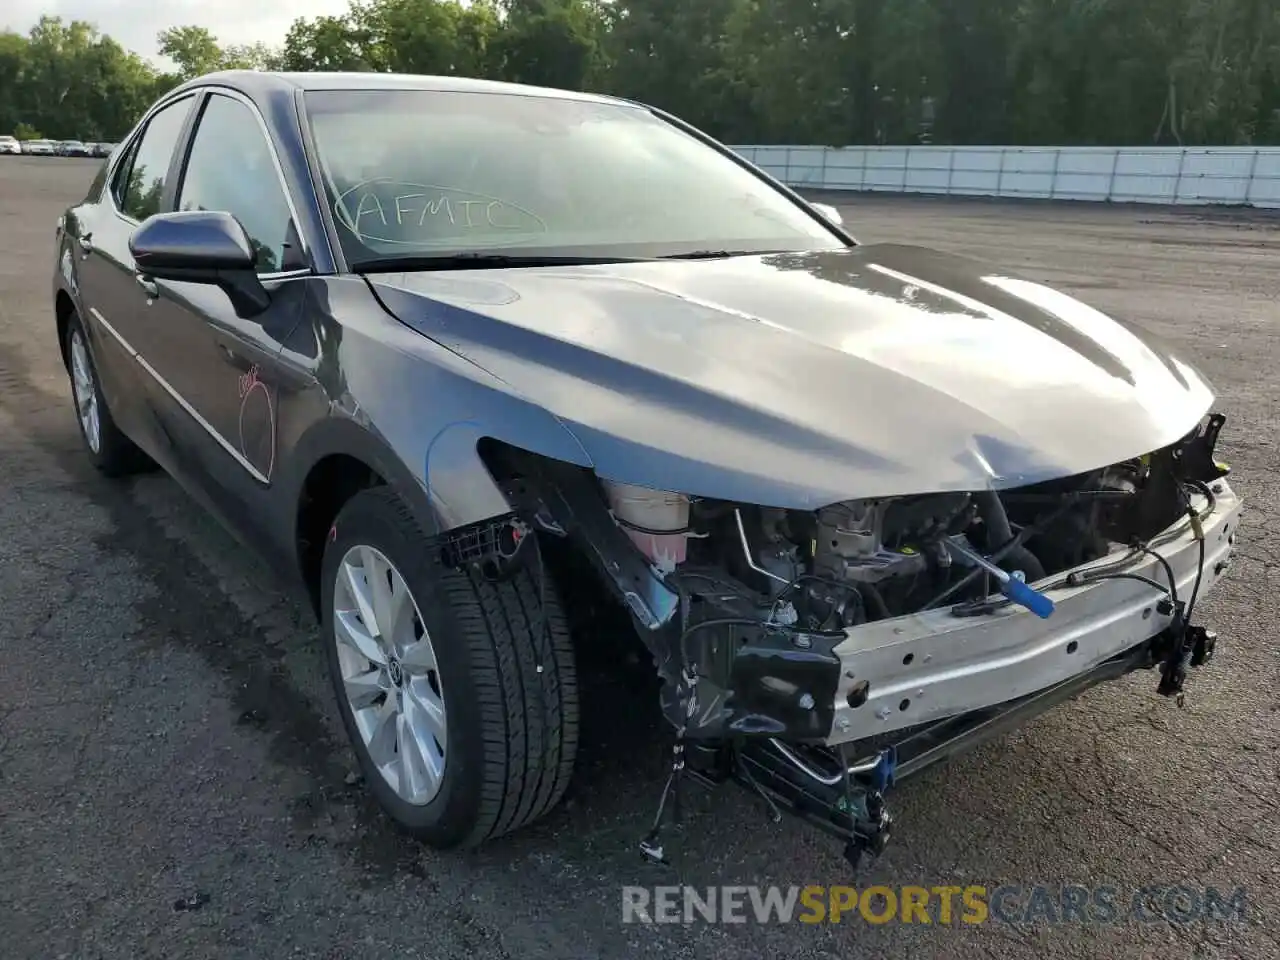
[64, 308]
[333, 461]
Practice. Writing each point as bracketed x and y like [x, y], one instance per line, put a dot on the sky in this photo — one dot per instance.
[135, 23]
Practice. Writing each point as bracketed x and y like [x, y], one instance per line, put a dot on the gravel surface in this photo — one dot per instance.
[173, 781]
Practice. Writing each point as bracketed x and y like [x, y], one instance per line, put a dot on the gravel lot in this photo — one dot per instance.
[166, 728]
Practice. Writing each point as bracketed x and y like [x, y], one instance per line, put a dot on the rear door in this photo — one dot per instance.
[113, 302]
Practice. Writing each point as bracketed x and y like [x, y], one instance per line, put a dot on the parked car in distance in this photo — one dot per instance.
[39, 148]
[863, 504]
[73, 148]
[105, 149]
[10, 145]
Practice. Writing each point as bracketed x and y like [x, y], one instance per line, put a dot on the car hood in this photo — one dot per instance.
[800, 379]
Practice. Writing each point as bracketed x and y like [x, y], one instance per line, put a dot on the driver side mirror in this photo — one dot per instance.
[830, 212]
[201, 246]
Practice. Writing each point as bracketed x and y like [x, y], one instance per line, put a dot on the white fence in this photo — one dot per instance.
[1196, 175]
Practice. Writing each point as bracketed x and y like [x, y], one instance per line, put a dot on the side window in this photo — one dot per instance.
[140, 181]
[231, 169]
[95, 187]
[120, 182]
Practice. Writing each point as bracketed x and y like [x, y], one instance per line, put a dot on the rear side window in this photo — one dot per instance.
[95, 188]
[140, 184]
[120, 181]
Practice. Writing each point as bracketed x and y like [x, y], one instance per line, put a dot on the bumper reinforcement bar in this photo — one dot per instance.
[850, 805]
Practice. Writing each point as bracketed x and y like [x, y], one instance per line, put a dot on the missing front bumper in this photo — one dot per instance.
[852, 807]
[922, 668]
[915, 690]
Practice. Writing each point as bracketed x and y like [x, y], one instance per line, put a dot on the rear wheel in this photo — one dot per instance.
[459, 693]
[110, 450]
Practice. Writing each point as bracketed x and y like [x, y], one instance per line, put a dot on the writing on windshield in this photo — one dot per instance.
[398, 211]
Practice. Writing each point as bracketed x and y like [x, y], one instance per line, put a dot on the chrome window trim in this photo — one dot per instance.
[181, 400]
[285, 274]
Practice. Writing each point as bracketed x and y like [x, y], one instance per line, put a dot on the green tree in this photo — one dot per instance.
[194, 49]
[816, 71]
[424, 36]
[196, 52]
[679, 56]
[253, 56]
[325, 43]
[553, 43]
[13, 59]
[71, 82]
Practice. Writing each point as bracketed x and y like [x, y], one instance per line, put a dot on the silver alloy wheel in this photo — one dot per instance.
[389, 673]
[85, 392]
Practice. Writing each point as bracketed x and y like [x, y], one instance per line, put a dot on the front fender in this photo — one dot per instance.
[342, 436]
[426, 408]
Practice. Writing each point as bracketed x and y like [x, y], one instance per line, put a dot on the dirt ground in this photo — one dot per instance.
[166, 730]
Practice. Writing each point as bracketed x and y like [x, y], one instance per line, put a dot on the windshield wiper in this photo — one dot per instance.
[480, 261]
[718, 254]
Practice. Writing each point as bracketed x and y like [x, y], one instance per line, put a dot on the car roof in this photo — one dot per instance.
[263, 82]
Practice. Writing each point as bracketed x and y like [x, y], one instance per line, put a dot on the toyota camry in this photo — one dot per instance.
[462, 358]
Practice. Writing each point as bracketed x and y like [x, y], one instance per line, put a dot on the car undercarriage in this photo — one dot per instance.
[819, 657]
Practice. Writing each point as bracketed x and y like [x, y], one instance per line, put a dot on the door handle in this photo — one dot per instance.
[148, 286]
[86, 243]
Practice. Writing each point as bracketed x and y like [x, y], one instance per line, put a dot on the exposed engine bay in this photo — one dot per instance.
[865, 560]
[815, 656]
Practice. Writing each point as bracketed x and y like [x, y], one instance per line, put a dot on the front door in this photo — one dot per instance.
[221, 369]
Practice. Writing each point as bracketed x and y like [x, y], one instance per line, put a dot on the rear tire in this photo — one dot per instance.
[503, 693]
[113, 453]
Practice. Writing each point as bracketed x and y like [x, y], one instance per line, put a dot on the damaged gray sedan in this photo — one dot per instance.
[464, 359]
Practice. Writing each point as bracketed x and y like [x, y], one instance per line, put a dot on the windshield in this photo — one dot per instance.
[417, 174]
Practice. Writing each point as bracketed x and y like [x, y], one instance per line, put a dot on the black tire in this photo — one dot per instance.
[512, 726]
[116, 455]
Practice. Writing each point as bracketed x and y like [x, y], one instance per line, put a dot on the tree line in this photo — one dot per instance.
[1070, 72]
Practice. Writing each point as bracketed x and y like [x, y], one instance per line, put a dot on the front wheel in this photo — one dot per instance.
[459, 693]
